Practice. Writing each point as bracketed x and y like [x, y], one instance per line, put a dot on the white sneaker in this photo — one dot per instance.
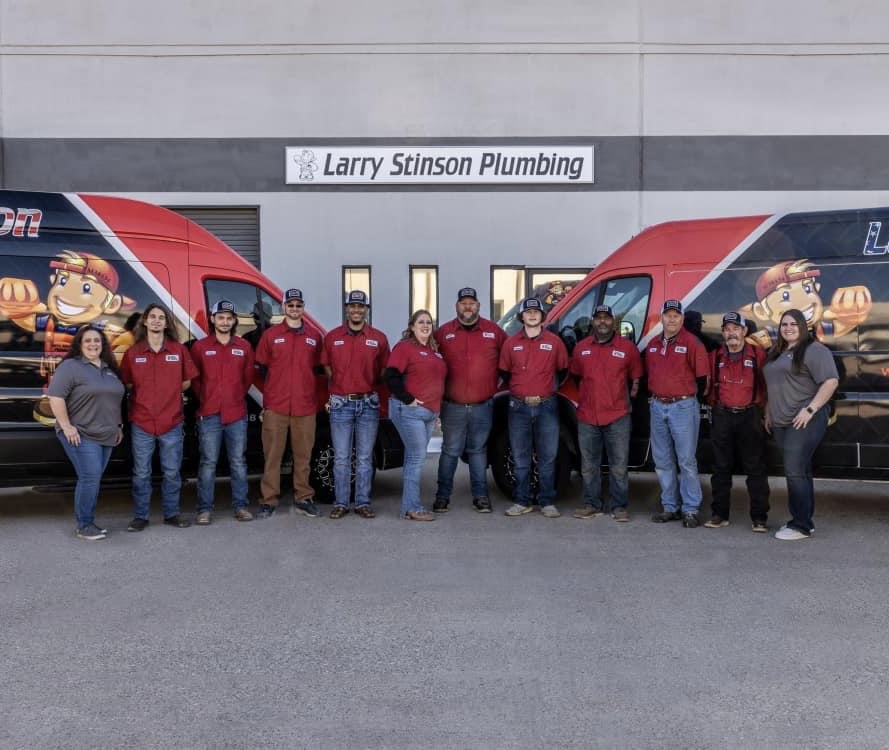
[790, 535]
[550, 511]
[517, 509]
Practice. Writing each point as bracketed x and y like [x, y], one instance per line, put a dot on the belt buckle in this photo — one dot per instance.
[355, 397]
[533, 400]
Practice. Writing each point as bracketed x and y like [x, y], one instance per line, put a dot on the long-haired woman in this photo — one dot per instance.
[415, 374]
[85, 395]
[800, 376]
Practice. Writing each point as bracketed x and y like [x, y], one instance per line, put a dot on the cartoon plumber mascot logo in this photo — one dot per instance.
[84, 289]
[305, 160]
[793, 284]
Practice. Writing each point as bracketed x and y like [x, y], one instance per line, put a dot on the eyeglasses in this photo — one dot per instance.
[297, 305]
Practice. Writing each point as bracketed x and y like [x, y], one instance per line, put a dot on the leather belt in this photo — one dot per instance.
[534, 400]
[358, 396]
[671, 399]
[734, 409]
[461, 403]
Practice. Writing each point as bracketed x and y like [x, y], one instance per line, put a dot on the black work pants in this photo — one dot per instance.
[739, 435]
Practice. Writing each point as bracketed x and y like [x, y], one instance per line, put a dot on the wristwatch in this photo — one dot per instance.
[810, 410]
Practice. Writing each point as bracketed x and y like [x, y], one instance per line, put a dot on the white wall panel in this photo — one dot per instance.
[711, 94]
[192, 22]
[320, 96]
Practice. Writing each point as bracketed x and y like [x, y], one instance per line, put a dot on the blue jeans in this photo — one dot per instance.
[89, 460]
[465, 429]
[211, 432]
[797, 448]
[414, 425]
[534, 430]
[674, 440]
[170, 448]
[615, 438]
[358, 419]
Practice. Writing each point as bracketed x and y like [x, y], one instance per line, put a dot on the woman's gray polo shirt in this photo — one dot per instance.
[93, 396]
[789, 392]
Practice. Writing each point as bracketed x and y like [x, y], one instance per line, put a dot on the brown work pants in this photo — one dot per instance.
[274, 440]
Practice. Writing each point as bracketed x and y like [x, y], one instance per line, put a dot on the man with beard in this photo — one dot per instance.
[470, 345]
[354, 357]
[738, 397]
[225, 373]
[604, 364]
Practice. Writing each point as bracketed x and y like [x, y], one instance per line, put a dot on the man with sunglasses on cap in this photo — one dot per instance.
[354, 357]
[608, 368]
[225, 373]
[470, 345]
[678, 371]
[533, 362]
[738, 397]
[290, 352]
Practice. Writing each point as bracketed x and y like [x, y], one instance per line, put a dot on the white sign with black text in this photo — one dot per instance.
[434, 165]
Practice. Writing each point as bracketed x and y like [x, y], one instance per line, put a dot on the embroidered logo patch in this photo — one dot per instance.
[141, 360]
[372, 343]
[280, 341]
[310, 341]
[618, 354]
[339, 342]
[681, 350]
[488, 335]
[210, 353]
[172, 358]
[238, 352]
[748, 363]
[546, 347]
[450, 336]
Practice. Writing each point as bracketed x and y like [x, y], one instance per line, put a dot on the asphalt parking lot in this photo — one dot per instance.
[475, 631]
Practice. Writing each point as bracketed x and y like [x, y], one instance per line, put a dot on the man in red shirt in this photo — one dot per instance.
[225, 372]
[470, 346]
[533, 362]
[290, 352]
[354, 358]
[677, 371]
[605, 364]
[738, 397]
[156, 369]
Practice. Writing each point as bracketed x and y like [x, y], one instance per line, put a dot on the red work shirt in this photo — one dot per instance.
[673, 366]
[290, 356]
[356, 358]
[604, 370]
[225, 372]
[156, 378]
[424, 372]
[533, 363]
[472, 354]
[737, 378]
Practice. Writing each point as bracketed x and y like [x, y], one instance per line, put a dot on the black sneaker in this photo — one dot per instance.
[177, 522]
[760, 526]
[90, 533]
[266, 511]
[482, 504]
[440, 505]
[691, 521]
[138, 524]
[666, 516]
[306, 507]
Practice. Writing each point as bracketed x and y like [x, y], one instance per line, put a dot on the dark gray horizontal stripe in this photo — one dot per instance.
[623, 163]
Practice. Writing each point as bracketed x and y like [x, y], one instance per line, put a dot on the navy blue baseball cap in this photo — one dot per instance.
[467, 291]
[734, 317]
[673, 304]
[223, 306]
[292, 295]
[357, 297]
[604, 310]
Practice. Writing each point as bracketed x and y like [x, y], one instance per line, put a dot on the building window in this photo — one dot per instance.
[507, 288]
[424, 290]
[357, 277]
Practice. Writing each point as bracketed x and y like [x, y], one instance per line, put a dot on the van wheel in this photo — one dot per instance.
[500, 456]
[321, 473]
[321, 470]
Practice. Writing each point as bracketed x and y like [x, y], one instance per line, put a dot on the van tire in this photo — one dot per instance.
[500, 456]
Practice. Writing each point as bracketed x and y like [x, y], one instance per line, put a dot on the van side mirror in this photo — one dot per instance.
[628, 331]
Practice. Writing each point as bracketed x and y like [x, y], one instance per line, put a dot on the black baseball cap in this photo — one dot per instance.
[467, 291]
[734, 317]
[604, 310]
[223, 306]
[673, 304]
[357, 297]
[292, 295]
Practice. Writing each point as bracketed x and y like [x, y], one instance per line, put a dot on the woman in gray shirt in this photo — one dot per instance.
[85, 395]
[800, 376]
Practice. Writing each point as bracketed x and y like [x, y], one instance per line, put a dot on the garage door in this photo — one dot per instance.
[237, 227]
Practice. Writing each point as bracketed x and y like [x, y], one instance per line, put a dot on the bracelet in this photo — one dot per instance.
[810, 410]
